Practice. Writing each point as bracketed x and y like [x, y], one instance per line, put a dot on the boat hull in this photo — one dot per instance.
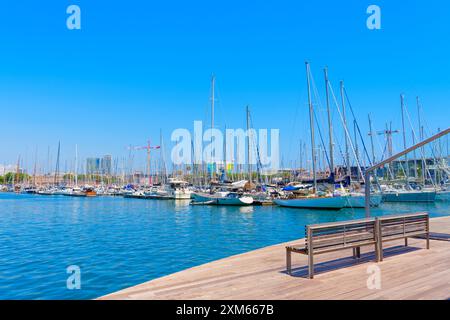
[359, 201]
[443, 196]
[243, 201]
[325, 203]
[419, 196]
[221, 201]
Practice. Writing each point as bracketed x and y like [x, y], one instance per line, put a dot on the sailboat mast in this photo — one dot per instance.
[330, 124]
[57, 164]
[248, 145]
[402, 100]
[76, 165]
[347, 155]
[414, 155]
[213, 83]
[356, 150]
[35, 167]
[311, 124]
[421, 137]
[371, 140]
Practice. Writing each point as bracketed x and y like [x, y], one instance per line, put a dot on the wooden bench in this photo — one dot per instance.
[335, 236]
[398, 227]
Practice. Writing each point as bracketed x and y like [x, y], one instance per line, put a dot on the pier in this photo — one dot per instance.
[406, 273]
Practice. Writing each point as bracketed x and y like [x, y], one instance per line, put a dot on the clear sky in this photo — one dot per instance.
[137, 67]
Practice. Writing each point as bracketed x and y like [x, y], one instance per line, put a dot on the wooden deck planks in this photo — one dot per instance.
[406, 273]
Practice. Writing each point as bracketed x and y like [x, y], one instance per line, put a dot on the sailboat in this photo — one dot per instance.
[316, 199]
[174, 189]
[405, 192]
[223, 198]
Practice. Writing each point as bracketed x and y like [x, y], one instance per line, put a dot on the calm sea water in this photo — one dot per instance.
[120, 242]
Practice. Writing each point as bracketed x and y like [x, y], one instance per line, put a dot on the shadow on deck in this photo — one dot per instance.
[342, 263]
[436, 236]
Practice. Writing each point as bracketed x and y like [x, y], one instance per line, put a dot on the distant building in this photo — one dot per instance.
[93, 166]
[10, 168]
[99, 165]
[106, 165]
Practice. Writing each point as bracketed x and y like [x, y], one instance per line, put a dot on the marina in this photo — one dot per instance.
[228, 151]
[119, 242]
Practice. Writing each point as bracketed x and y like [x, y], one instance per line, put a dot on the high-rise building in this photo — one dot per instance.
[106, 165]
[93, 166]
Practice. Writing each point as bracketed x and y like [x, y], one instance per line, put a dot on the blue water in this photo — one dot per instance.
[120, 242]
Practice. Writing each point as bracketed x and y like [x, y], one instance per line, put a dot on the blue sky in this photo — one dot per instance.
[140, 66]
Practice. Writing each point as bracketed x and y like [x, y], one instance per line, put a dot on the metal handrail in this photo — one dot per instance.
[394, 157]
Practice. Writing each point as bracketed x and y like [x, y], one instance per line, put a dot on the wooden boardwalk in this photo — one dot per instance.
[406, 273]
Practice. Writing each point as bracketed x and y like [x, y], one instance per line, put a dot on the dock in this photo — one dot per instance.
[406, 273]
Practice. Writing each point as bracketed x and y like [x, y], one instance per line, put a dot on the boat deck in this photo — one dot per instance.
[406, 273]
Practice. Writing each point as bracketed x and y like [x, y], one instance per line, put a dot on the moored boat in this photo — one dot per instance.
[358, 200]
[409, 196]
[314, 202]
[222, 198]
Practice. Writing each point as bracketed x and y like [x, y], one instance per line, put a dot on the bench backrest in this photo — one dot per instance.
[400, 226]
[336, 235]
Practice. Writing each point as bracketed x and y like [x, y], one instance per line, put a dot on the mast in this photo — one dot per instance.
[330, 124]
[311, 124]
[35, 168]
[371, 140]
[213, 82]
[356, 150]
[402, 100]
[249, 167]
[57, 163]
[17, 180]
[163, 160]
[421, 137]
[76, 165]
[347, 155]
[149, 164]
[414, 155]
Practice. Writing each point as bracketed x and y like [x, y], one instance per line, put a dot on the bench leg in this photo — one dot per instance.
[357, 253]
[406, 242]
[377, 252]
[428, 240]
[310, 266]
[380, 251]
[288, 262]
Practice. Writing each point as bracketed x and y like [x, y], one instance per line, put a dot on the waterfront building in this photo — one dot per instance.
[93, 166]
[106, 164]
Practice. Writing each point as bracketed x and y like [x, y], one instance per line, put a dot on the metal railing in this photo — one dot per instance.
[394, 157]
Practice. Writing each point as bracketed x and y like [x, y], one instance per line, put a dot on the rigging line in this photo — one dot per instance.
[316, 94]
[420, 149]
[258, 157]
[357, 127]
[321, 139]
[346, 132]
[383, 150]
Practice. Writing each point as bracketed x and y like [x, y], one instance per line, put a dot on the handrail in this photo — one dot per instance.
[394, 157]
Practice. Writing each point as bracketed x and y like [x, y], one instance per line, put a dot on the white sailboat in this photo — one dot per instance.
[399, 193]
[174, 189]
[222, 198]
[315, 200]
